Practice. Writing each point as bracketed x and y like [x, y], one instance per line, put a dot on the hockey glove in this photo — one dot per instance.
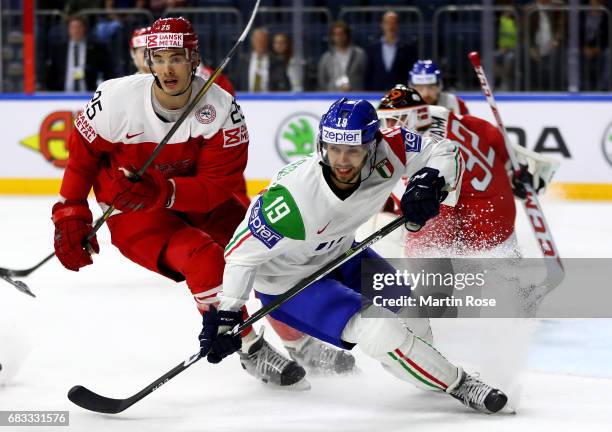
[215, 341]
[72, 221]
[521, 177]
[150, 192]
[423, 195]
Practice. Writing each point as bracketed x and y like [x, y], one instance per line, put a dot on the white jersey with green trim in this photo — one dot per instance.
[298, 224]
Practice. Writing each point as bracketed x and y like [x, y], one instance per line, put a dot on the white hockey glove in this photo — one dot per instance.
[535, 169]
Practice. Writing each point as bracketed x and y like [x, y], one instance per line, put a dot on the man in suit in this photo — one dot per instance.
[390, 59]
[77, 64]
[261, 71]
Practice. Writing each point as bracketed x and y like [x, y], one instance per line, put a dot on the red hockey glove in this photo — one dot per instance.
[72, 221]
[150, 192]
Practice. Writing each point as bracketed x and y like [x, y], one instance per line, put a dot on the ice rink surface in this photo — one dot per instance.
[115, 327]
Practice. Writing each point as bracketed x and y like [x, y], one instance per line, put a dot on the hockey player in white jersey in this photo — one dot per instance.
[309, 216]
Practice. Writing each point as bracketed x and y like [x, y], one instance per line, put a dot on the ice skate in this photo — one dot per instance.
[480, 396]
[269, 366]
[319, 358]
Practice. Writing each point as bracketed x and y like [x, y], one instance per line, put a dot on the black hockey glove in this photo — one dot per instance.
[423, 195]
[521, 177]
[215, 342]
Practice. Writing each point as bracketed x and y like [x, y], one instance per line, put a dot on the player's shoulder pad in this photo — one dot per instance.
[107, 109]
[402, 141]
[215, 94]
[288, 172]
[439, 111]
[274, 216]
[218, 110]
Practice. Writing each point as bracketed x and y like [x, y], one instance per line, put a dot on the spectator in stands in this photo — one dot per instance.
[77, 64]
[260, 71]
[282, 49]
[594, 42]
[176, 4]
[507, 37]
[389, 59]
[72, 7]
[342, 67]
[125, 4]
[545, 32]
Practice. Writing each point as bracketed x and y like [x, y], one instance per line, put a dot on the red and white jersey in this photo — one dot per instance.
[222, 81]
[453, 103]
[484, 215]
[205, 158]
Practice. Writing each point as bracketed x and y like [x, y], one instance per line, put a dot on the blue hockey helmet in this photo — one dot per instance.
[425, 72]
[351, 122]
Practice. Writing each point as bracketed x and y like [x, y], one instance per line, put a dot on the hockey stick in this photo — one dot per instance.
[9, 274]
[6, 274]
[89, 400]
[24, 272]
[531, 205]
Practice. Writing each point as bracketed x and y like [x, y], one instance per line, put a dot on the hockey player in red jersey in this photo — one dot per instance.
[205, 71]
[483, 219]
[485, 212]
[426, 78]
[179, 216]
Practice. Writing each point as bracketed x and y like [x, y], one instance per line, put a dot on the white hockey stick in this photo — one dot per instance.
[531, 205]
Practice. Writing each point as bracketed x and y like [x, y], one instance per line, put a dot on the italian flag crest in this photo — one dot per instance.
[385, 168]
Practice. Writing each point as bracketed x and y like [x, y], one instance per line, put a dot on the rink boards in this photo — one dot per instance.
[575, 129]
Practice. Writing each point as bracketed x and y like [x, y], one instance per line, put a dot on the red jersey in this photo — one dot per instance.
[205, 158]
[222, 80]
[453, 103]
[485, 211]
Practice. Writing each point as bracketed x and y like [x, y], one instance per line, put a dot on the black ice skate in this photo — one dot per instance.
[271, 367]
[319, 358]
[480, 396]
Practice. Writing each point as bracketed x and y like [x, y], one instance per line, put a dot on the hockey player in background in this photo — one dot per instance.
[177, 218]
[138, 45]
[309, 216]
[485, 213]
[426, 78]
[482, 223]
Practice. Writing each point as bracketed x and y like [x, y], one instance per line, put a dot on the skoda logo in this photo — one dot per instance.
[606, 143]
[296, 136]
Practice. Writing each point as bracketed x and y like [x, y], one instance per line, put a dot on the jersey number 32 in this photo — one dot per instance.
[469, 144]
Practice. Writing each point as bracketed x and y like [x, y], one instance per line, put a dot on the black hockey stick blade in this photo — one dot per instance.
[91, 401]
[21, 286]
[24, 272]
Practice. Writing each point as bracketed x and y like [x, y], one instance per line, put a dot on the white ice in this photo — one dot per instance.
[115, 327]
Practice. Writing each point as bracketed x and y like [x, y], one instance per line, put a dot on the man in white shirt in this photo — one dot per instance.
[259, 64]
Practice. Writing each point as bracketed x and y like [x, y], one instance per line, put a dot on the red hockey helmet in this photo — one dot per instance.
[169, 33]
[139, 37]
[403, 106]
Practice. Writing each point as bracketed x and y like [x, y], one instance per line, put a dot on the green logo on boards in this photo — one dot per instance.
[296, 136]
[606, 144]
